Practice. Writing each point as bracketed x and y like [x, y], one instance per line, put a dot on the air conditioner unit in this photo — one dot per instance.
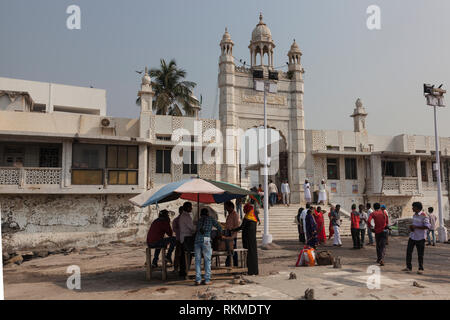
[107, 123]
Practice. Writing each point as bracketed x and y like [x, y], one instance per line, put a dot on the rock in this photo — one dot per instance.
[41, 253]
[5, 257]
[292, 276]
[26, 255]
[337, 263]
[15, 260]
[272, 273]
[270, 246]
[418, 285]
[309, 294]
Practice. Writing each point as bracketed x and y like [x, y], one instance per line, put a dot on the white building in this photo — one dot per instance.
[67, 170]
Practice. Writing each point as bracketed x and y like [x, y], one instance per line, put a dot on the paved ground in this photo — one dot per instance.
[116, 271]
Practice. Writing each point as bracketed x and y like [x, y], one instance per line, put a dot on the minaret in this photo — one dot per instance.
[261, 44]
[146, 95]
[297, 153]
[227, 111]
[359, 117]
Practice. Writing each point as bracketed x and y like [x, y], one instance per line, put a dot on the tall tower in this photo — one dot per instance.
[297, 122]
[146, 94]
[359, 117]
[227, 110]
[261, 44]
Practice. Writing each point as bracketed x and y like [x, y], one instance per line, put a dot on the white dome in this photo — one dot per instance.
[261, 31]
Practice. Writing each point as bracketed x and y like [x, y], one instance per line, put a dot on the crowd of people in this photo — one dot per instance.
[182, 236]
[185, 236]
[311, 229]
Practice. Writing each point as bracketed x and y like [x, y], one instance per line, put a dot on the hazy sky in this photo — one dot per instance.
[342, 58]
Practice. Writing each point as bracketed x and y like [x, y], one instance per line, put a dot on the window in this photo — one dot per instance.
[352, 149]
[122, 165]
[88, 163]
[333, 148]
[424, 170]
[91, 162]
[332, 169]
[350, 169]
[393, 168]
[49, 157]
[189, 168]
[163, 161]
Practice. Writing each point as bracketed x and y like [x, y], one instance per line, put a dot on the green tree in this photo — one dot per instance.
[172, 93]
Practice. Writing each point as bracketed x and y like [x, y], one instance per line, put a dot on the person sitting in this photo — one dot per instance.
[155, 237]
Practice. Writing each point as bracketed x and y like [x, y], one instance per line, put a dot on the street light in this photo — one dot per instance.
[435, 98]
[266, 86]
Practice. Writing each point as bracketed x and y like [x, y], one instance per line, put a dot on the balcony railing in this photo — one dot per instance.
[400, 186]
[30, 176]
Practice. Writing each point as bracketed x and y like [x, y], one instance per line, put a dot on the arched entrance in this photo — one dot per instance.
[252, 155]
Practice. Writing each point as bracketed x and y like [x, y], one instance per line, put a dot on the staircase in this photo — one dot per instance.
[283, 227]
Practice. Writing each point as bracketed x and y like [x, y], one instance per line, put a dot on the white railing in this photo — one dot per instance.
[403, 185]
[30, 176]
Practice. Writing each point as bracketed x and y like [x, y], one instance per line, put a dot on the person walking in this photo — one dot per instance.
[336, 221]
[231, 223]
[273, 192]
[330, 227]
[383, 208]
[355, 227]
[381, 221]
[318, 217]
[311, 229]
[322, 192]
[202, 246]
[362, 224]
[248, 228]
[286, 191]
[420, 225]
[307, 191]
[303, 217]
[298, 220]
[369, 227]
[432, 217]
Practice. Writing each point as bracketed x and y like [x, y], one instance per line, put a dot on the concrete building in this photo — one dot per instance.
[67, 169]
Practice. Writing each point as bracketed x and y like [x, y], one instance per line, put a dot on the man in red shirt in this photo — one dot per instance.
[381, 222]
[355, 228]
[155, 237]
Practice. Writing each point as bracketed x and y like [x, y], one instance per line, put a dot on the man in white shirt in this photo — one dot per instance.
[369, 227]
[187, 231]
[273, 191]
[285, 190]
[303, 217]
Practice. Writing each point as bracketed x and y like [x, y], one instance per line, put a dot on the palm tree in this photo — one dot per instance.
[172, 93]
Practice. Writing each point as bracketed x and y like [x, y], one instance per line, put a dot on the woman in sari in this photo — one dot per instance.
[311, 230]
[248, 228]
[318, 217]
[330, 228]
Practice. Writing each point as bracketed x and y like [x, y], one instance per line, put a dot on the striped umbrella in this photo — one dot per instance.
[194, 189]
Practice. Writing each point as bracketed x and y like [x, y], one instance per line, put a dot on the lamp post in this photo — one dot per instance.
[266, 86]
[435, 98]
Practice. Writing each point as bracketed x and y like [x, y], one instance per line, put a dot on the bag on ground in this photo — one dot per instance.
[325, 258]
[307, 257]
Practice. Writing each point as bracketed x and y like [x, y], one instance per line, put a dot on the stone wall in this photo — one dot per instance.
[43, 221]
